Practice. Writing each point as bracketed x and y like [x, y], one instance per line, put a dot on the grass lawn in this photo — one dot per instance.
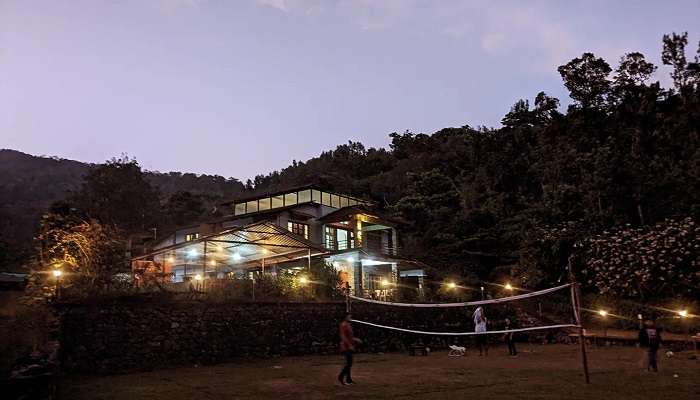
[540, 372]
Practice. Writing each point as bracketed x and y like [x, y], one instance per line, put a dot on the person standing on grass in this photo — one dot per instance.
[650, 338]
[480, 329]
[347, 348]
[509, 339]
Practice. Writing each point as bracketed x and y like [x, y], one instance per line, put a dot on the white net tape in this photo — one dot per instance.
[464, 304]
[534, 328]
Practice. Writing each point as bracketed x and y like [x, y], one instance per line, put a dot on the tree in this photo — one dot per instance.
[183, 208]
[116, 193]
[652, 261]
[587, 80]
[633, 70]
[91, 252]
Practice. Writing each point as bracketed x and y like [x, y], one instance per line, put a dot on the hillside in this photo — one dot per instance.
[30, 184]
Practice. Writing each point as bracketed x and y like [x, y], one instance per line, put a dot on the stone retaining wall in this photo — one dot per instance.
[111, 338]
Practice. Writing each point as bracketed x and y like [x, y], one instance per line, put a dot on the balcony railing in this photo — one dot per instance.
[384, 249]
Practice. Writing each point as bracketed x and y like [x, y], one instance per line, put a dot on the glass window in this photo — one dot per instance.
[344, 202]
[251, 206]
[304, 196]
[298, 229]
[330, 238]
[264, 204]
[335, 201]
[239, 209]
[277, 201]
[325, 199]
[316, 196]
[191, 236]
[352, 202]
[290, 199]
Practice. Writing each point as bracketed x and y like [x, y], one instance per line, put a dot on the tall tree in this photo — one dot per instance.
[116, 193]
[587, 80]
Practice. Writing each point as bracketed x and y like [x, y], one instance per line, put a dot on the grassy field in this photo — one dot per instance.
[540, 372]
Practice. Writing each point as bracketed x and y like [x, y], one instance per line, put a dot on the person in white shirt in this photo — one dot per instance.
[480, 327]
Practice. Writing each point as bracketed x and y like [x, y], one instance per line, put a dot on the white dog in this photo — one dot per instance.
[456, 351]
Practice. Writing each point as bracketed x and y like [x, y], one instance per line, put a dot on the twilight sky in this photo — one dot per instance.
[238, 88]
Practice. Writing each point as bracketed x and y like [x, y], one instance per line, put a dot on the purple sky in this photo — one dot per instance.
[238, 88]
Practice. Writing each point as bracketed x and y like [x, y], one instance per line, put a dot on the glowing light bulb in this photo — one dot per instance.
[212, 262]
[602, 313]
[303, 280]
[683, 313]
[236, 256]
[57, 273]
[171, 259]
[198, 277]
[192, 253]
[350, 260]
[508, 286]
[385, 282]
[451, 285]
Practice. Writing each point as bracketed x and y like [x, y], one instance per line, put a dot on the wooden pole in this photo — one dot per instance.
[576, 297]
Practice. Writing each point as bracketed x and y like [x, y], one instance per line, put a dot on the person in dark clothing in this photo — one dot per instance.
[650, 338]
[347, 348]
[509, 339]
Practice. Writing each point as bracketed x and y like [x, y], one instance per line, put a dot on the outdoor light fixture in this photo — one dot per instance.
[303, 280]
[171, 259]
[683, 313]
[57, 273]
[198, 277]
[192, 253]
[385, 282]
[602, 313]
[451, 285]
[508, 286]
[350, 260]
[236, 256]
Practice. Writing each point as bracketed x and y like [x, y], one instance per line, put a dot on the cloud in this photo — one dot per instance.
[282, 5]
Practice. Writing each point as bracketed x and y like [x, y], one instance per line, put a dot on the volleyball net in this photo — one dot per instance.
[547, 309]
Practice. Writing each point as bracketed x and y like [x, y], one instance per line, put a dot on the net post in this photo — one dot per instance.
[576, 297]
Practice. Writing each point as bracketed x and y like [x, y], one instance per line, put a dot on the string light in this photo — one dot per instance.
[385, 282]
[683, 313]
[602, 313]
[57, 273]
[451, 285]
[508, 286]
[303, 280]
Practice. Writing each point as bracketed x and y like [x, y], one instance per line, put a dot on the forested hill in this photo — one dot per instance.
[30, 184]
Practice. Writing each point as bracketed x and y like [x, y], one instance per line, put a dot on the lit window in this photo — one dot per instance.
[277, 201]
[335, 201]
[316, 196]
[239, 209]
[191, 236]
[304, 196]
[290, 199]
[252, 206]
[264, 204]
[298, 229]
[344, 202]
[352, 202]
[325, 199]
